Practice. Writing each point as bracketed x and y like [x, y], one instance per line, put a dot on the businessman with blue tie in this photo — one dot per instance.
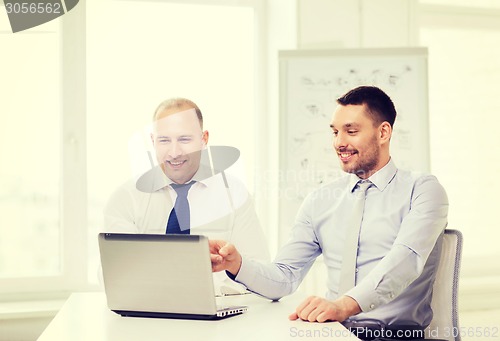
[180, 198]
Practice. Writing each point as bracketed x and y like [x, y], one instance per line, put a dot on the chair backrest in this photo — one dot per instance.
[444, 324]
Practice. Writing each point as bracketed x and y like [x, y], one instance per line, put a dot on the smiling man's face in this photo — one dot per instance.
[178, 140]
[356, 139]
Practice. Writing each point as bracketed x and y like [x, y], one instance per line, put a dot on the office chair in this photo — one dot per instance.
[444, 324]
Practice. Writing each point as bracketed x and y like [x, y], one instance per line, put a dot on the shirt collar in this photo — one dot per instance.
[380, 179]
[155, 180]
[201, 176]
[203, 182]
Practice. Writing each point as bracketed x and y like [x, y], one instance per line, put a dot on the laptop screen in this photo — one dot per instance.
[157, 273]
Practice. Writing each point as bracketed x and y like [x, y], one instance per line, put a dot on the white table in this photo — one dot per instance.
[85, 316]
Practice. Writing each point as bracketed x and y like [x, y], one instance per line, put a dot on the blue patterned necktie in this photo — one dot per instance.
[179, 219]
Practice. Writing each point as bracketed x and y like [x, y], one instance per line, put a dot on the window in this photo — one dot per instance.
[151, 52]
[30, 141]
[137, 54]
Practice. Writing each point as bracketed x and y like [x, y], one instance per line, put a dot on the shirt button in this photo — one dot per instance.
[357, 270]
[391, 295]
[372, 306]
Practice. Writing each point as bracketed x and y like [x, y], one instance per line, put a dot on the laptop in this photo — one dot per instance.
[162, 276]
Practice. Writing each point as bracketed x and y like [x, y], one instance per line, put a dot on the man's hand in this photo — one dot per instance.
[317, 309]
[224, 256]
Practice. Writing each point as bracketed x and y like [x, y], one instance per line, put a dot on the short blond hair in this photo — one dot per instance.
[178, 103]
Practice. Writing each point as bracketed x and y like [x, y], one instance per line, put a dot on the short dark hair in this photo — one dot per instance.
[379, 104]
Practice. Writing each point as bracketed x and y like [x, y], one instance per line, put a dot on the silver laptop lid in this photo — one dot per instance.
[157, 273]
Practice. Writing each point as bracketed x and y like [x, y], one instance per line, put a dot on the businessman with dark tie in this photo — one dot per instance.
[181, 198]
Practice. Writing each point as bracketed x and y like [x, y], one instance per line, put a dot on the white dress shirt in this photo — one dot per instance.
[216, 211]
[399, 246]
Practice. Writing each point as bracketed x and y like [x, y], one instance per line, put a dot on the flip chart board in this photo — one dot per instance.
[310, 83]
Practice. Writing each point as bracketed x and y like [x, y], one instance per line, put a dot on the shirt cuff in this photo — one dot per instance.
[367, 299]
[246, 275]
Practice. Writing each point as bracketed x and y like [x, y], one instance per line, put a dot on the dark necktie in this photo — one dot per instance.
[178, 221]
[348, 270]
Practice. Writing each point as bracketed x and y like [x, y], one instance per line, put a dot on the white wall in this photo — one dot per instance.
[357, 23]
[280, 33]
